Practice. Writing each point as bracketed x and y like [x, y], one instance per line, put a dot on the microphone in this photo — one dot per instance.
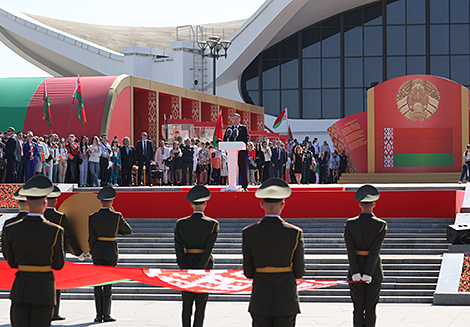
[228, 133]
[235, 134]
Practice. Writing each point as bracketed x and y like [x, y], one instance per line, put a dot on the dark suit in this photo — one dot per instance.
[243, 154]
[105, 223]
[30, 165]
[365, 233]
[11, 156]
[33, 241]
[272, 242]
[278, 161]
[127, 162]
[195, 232]
[143, 158]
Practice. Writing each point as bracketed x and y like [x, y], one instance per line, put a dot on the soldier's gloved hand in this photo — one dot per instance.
[367, 278]
[356, 277]
[82, 256]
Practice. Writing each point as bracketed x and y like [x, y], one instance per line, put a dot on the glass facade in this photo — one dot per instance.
[325, 70]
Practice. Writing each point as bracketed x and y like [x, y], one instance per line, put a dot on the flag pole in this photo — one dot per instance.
[70, 118]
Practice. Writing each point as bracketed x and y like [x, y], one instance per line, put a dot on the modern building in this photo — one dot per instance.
[317, 58]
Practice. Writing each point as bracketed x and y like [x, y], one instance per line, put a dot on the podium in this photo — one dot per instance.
[232, 149]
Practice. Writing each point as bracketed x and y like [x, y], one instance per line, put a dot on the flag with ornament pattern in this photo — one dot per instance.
[46, 106]
[77, 94]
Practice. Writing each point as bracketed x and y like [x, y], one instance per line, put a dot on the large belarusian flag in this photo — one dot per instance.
[280, 119]
[46, 106]
[422, 147]
[77, 94]
[218, 133]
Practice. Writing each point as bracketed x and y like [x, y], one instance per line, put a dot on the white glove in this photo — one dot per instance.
[367, 278]
[356, 277]
[82, 256]
[88, 255]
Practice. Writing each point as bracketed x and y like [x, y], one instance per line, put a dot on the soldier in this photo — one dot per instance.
[103, 227]
[34, 246]
[273, 256]
[194, 240]
[364, 236]
[60, 219]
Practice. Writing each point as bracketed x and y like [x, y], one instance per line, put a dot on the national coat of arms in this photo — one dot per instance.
[417, 99]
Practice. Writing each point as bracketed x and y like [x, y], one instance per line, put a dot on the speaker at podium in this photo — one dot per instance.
[458, 234]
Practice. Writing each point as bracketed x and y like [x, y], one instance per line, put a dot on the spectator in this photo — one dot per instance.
[188, 158]
[30, 150]
[334, 165]
[48, 169]
[259, 162]
[63, 153]
[3, 165]
[325, 148]
[252, 167]
[343, 163]
[72, 148]
[267, 160]
[204, 160]
[116, 163]
[94, 161]
[306, 165]
[161, 154]
[105, 157]
[12, 155]
[144, 156]
[127, 161]
[297, 163]
[323, 166]
[83, 161]
[176, 165]
[215, 167]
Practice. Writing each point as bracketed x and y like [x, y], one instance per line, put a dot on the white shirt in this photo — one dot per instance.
[268, 154]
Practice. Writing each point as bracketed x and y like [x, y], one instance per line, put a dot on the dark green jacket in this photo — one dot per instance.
[365, 233]
[19, 216]
[195, 232]
[61, 219]
[106, 223]
[37, 242]
[272, 242]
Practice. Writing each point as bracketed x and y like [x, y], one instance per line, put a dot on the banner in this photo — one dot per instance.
[215, 281]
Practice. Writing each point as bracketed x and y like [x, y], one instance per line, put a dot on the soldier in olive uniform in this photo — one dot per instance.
[194, 240]
[35, 246]
[273, 256]
[364, 236]
[103, 228]
[60, 219]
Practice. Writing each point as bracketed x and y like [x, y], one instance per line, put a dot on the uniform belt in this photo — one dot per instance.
[28, 268]
[194, 251]
[274, 269]
[359, 252]
[104, 238]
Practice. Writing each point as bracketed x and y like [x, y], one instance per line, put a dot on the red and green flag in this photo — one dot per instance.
[422, 147]
[89, 151]
[280, 119]
[42, 157]
[61, 158]
[77, 94]
[218, 133]
[46, 106]
[289, 133]
[69, 156]
[47, 168]
[31, 150]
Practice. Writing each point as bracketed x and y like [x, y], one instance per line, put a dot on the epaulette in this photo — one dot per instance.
[250, 225]
[296, 227]
[15, 222]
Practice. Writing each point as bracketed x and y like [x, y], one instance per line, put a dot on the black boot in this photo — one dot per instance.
[56, 316]
[99, 308]
[198, 323]
[186, 323]
[107, 309]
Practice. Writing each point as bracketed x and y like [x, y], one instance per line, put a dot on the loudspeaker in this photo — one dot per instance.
[458, 234]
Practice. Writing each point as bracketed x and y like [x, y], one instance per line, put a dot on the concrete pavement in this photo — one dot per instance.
[234, 314]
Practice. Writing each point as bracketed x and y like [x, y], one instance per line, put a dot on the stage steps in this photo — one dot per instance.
[396, 178]
[411, 257]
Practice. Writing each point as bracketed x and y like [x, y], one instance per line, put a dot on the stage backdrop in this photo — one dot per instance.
[415, 123]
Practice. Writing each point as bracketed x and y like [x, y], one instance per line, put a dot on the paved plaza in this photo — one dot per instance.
[234, 314]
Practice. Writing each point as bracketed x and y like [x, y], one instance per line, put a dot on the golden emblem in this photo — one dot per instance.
[417, 99]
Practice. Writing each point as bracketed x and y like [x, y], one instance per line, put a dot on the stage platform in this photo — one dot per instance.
[307, 201]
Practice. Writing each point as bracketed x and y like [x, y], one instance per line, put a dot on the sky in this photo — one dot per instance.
[146, 13]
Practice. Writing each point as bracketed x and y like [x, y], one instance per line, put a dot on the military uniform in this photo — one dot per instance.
[195, 237]
[364, 236]
[273, 256]
[34, 246]
[104, 226]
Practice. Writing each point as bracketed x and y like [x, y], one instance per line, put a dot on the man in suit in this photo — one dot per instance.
[194, 240]
[273, 256]
[239, 133]
[278, 160]
[127, 161]
[12, 156]
[58, 218]
[105, 158]
[144, 155]
[33, 291]
[364, 236]
[103, 228]
[187, 157]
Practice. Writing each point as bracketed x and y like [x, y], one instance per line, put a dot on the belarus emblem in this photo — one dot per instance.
[417, 99]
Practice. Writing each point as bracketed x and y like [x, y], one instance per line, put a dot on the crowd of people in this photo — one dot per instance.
[98, 161]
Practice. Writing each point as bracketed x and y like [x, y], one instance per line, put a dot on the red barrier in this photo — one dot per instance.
[301, 204]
